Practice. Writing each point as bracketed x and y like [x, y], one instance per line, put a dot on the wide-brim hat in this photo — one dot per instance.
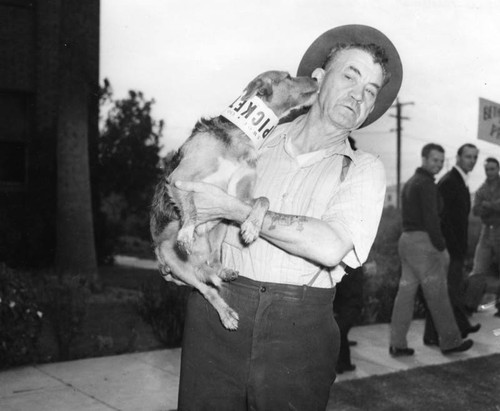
[318, 51]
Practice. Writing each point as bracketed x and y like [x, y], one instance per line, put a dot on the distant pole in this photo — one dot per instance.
[398, 130]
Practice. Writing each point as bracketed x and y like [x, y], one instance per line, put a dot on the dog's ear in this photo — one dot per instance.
[258, 87]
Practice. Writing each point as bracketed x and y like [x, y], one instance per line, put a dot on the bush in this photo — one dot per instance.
[66, 306]
[163, 306]
[20, 318]
[380, 288]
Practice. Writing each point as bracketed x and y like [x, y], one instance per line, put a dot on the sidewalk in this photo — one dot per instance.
[149, 381]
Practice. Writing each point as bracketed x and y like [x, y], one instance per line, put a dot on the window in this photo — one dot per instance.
[14, 129]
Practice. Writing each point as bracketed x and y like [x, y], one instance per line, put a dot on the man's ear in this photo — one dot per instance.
[319, 75]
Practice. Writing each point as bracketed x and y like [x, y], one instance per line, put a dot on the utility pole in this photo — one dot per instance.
[398, 106]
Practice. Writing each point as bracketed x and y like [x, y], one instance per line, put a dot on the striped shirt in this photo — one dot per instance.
[309, 185]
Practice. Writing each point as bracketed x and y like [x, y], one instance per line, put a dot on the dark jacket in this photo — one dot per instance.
[455, 212]
[420, 204]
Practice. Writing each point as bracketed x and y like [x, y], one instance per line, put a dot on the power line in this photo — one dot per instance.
[398, 106]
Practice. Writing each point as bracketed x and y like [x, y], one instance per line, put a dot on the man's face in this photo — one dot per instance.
[434, 162]
[350, 88]
[491, 169]
[467, 160]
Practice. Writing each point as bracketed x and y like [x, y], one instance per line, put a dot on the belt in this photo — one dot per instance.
[302, 292]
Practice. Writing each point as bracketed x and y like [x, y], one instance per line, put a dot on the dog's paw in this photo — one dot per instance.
[249, 231]
[185, 239]
[229, 318]
[227, 274]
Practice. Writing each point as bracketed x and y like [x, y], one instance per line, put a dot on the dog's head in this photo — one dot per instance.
[281, 92]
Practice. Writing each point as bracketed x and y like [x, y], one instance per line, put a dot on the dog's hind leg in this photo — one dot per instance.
[194, 276]
[228, 316]
[215, 238]
[194, 271]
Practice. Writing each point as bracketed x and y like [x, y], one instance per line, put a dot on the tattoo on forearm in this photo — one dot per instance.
[287, 220]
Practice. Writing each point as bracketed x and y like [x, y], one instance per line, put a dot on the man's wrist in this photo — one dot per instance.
[238, 211]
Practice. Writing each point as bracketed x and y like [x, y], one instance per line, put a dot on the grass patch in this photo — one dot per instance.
[112, 323]
[472, 384]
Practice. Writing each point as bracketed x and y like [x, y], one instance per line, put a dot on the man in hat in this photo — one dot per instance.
[325, 206]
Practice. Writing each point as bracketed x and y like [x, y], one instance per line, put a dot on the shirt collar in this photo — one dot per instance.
[424, 172]
[464, 175]
[340, 148]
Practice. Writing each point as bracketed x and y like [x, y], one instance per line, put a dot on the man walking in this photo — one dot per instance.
[486, 206]
[424, 260]
[455, 222]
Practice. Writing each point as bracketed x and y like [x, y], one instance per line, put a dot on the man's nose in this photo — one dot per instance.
[357, 93]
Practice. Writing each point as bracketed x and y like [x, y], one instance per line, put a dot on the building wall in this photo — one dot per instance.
[30, 68]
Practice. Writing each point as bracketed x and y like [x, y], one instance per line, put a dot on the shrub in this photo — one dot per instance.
[66, 307]
[163, 306]
[20, 318]
[380, 288]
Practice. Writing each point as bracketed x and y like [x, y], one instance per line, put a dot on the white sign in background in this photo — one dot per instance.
[489, 121]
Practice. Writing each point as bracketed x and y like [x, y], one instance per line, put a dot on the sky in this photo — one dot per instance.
[194, 58]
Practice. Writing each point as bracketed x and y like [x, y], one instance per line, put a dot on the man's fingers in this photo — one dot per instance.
[172, 279]
[195, 186]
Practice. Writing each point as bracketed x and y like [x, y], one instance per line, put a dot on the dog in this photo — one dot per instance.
[220, 153]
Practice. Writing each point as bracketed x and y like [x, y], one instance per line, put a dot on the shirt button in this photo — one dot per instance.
[262, 289]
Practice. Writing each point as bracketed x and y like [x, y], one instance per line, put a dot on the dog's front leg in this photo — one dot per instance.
[243, 183]
[251, 227]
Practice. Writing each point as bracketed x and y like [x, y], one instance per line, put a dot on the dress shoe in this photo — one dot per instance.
[471, 329]
[430, 341]
[401, 352]
[341, 368]
[461, 348]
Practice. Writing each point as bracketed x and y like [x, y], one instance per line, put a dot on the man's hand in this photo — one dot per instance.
[213, 203]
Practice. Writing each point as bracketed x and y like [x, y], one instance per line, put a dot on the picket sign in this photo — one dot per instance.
[253, 117]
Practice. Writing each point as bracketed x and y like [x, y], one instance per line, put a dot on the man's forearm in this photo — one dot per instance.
[316, 240]
[307, 237]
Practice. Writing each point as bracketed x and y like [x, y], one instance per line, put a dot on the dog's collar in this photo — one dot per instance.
[253, 117]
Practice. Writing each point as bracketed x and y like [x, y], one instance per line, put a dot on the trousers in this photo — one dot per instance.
[281, 357]
[456, 292]
[487, 251]
[423, 265]
[348, 306]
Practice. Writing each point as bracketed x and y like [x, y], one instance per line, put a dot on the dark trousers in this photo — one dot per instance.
[456, 286]
[281, 357]
[347, 306]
